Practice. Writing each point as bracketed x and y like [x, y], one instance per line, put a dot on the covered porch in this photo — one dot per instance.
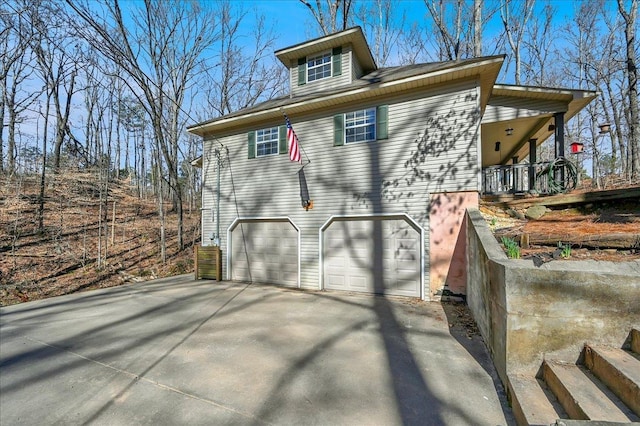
[516, 121]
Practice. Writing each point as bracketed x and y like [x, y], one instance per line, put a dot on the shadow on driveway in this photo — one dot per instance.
[177, 351]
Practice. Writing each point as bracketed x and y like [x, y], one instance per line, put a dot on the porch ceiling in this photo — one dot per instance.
[529, 112]
[523, 128]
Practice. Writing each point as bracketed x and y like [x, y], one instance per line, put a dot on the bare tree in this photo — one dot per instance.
[458, 27]
[451, 31]
[378, 18]
[58, 64]
[630, 31]
[515, 16]
[242, 79]
[327, 14]
[537, 47]
[158, 54]
[412, 45]
[606, 71]
[15, 71]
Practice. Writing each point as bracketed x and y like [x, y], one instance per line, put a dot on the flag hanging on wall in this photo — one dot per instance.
[292, 139]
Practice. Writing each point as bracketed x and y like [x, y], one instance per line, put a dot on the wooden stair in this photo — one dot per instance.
[603, 389]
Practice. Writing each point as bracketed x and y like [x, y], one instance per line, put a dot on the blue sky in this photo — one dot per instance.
[293, 22]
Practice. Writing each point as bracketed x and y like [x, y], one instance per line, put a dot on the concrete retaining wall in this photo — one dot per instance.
[525, 312]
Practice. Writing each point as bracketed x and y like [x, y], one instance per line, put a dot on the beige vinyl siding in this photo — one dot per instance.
[503, 108]
[325, 83]
[432, 147]
[356, 69]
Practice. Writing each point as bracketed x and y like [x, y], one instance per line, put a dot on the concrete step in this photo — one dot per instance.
[532, 402]
[581, 395]
[564, 422]
[635, 340]
[617, 369]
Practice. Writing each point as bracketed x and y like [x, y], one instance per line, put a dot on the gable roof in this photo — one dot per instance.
[353, 36]
[380, 82]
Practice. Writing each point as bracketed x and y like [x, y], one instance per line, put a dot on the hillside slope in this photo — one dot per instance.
[63, 258]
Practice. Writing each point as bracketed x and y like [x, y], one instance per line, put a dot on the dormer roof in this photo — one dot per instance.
[353, 36]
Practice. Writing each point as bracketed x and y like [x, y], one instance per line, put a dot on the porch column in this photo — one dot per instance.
[559, 120]
[515, 171]
[532, 163]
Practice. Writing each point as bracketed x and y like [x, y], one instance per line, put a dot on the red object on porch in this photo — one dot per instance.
[577, 147]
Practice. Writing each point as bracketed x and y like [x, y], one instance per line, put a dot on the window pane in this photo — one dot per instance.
[360, 126]
[319, 67]
[267, 141]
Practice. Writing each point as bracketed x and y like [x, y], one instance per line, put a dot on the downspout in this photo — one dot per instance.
[216, 240]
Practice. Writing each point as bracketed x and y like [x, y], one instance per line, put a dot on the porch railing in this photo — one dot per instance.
[516, 179]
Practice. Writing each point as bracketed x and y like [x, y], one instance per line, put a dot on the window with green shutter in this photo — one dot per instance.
[364, 125]
[338, 130]
[251, 145]
[337, 60]
[264, 142]
[283, 148]
[302, 71]
[382, 122]
[319, 66]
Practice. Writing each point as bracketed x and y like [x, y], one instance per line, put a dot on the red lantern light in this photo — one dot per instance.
[577, 147]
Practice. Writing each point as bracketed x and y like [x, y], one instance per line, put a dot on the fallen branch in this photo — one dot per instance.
[31, 255]
[618, 240]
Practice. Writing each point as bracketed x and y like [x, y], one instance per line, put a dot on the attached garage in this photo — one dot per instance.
[265, 251]
[372, 255]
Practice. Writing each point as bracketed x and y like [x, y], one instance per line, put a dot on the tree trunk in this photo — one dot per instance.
[11, 139]
[617, 129]
[63, 120]
[44, 164]
[477, 28]
[159, 196]
[632, 76]
[3, 90]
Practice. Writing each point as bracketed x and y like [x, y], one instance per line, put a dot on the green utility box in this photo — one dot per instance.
[208, 263]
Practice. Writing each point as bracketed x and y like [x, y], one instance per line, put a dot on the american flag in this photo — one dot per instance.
[292, 139]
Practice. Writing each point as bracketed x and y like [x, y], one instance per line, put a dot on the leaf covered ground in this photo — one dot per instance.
[589, 230]
[63, 257]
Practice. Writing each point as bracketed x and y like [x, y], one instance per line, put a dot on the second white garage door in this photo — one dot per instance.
[379, 255]
[265, 251]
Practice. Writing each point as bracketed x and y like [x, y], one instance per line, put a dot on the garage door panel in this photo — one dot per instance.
[358, 283]
[334, 281]
[407, 265]
[290, 243]
[349, 256]
[407, 244]
[272, 251]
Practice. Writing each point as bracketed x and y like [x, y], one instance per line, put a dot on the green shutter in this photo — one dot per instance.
[251, 136]
[382, 122]
[302, 71]
[337, 61]
[282, 140]
[338, 130]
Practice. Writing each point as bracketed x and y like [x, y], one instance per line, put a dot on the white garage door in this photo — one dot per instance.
[265, 251]
[372, 256]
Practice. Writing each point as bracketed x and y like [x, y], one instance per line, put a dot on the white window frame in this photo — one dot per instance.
[360, 121]
[268, 136]
[316, 67]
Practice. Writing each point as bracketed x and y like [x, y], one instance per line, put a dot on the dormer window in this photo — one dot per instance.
[319, 66]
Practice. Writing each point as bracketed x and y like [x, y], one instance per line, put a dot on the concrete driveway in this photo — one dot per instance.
[178, 351]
